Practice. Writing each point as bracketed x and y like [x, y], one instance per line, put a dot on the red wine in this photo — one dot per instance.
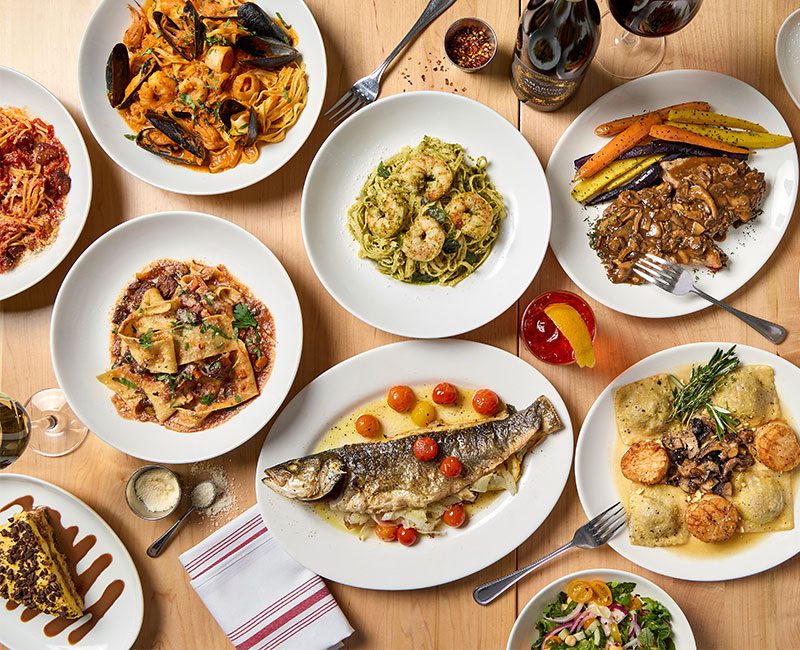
[654, 17]
[15, 430]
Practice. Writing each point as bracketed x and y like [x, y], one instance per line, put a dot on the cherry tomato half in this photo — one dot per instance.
[406, 536]
[445, 393]
[423, 413]
[387, 532]
[425, 448]
[451, 467]
[485, 401]
[368, 425]
[580, 591]
[400, 398]
[455, 516]
[602, 593]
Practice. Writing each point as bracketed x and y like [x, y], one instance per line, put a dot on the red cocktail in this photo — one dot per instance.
[540, 334]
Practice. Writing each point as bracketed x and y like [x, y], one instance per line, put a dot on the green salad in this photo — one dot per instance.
[598, 615]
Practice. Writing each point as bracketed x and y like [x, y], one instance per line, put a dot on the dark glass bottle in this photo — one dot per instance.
[556, 42]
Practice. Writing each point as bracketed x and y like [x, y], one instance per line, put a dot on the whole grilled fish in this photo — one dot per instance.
[379, 477]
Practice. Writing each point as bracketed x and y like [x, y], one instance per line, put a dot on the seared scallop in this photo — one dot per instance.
[777, 446]
[645, 462]
[712, 519]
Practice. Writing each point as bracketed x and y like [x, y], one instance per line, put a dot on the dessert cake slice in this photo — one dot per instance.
[33, 572]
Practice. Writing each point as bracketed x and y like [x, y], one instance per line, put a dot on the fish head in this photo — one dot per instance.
[305, 479]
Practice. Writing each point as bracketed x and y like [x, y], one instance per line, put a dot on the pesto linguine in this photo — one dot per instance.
[428, 214]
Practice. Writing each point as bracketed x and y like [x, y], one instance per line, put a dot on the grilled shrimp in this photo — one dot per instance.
[471, 214]
[158, 89]
[427, 173]
[385, 220]
[424, 239]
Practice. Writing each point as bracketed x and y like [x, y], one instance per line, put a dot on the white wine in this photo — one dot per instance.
[15, 430]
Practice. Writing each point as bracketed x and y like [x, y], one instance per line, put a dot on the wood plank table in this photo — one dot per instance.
[41, 39]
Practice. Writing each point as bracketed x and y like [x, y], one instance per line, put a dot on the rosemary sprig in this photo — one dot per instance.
[696, 394]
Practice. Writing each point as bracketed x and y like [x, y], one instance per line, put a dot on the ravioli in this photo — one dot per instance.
[749, 393]
[656, 516]
[764, 500]
[643, 408]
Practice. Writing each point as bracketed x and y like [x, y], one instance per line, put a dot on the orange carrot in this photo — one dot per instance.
[619, 144]
[677, 134]
[617, 126]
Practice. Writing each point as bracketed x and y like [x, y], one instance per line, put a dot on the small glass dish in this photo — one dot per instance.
[464, 24]
[137, 505]
[540, 334]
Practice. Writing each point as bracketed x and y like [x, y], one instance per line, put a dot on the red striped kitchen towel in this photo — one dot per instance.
[261, 598]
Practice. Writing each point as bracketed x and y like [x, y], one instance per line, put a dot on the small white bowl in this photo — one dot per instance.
[787, 52]
[524, 631]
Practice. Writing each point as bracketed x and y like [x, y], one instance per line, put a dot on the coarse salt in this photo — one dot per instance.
[157, 489]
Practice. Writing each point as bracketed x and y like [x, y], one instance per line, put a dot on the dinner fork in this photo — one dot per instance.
[365, 90]
[596, 532]
[676, 280]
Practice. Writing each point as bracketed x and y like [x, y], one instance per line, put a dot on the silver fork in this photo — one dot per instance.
[365, 90]
[675, 279]
[591, 535]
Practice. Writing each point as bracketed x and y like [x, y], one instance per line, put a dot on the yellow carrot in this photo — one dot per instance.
[589, 187]
[618, 145]
[633, 173]
[617, 126]
[687, 116]
[737, 138]
[673, 133]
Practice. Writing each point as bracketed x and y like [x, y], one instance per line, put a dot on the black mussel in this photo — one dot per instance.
[254, 19]
[145, 70]
[267, 52]
[176, 145]
[252, 127]
[230, 107]
[118, 74]
[196, 26]
[182, 41]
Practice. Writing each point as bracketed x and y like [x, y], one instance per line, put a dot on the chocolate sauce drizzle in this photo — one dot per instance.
[74, 551]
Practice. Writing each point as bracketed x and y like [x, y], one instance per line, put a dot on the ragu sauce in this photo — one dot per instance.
[542, 336]
[74, 550]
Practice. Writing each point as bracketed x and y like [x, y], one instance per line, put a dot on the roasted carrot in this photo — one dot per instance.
[617, 126]
[619, 144]
[747, 139]
[677, 134]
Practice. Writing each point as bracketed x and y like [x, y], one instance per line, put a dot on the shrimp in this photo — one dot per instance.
[428, 173]
[135, 33]
[471, 214]
[424, 239]
[195, 87]
[386, 220]
[157, 90]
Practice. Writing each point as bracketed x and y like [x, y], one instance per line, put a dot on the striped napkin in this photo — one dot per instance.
[260, 597]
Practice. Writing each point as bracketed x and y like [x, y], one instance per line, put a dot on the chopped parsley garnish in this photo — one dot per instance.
[187, 99]
[207, 400]
[186, 345]
[130, 136]
[286, 95]
[208, 327]
[146, 339]
[208, 299]
[243, 317]
[237, 398]
[125, 382]
[283, 22]
[383, 172]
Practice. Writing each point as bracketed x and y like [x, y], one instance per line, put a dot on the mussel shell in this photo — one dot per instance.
[252, 127]
[118, 74]
[197, 26]
[267, 52]
[254, 19]
[176, 132]
[230, 107]
[171, 33]
[172, 152]
[147, 68]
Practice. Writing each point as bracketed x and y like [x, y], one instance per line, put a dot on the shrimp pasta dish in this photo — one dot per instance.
[428, 214]
[203, 83]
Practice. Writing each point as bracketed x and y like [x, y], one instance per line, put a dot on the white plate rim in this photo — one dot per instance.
[428, 331]
[689, 304]
[447, 573]
[683, 567]
[125, 553]
[82, 155]
[793, 16]
[294, 353]
[618, 576]
[198, 189]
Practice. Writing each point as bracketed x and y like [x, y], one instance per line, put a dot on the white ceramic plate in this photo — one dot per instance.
[594, 472]
[120, 626]
[489, 535]
[787, 53]
[79, 331]
[18, 90]
[524, 631]
[105, 29]
[749, 247]
[382, 129]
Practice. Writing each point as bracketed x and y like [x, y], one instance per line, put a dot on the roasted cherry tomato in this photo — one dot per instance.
[451, 467]
[580, 591]
[485, 401]
[387, 532]
[425, 448]
[423, 413]
[445, 393]
[406, 536]
[368, 425]
[455, 516]
[636, 603]
[400, 398]
[602, 593]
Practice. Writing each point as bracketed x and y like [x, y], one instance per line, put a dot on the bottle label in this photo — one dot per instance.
[531, 86]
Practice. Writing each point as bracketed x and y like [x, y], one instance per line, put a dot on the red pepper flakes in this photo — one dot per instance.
[470, 47]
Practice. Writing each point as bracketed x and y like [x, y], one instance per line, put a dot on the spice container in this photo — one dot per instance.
[470, 44]
[153, 492]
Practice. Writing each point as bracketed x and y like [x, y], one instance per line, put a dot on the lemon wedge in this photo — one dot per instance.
[572, 326]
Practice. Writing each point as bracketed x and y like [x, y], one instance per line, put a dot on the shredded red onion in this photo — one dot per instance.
[579, 620]
[553, 633]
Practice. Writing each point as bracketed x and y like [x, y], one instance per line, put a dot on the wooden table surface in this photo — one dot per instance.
[732, 36]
